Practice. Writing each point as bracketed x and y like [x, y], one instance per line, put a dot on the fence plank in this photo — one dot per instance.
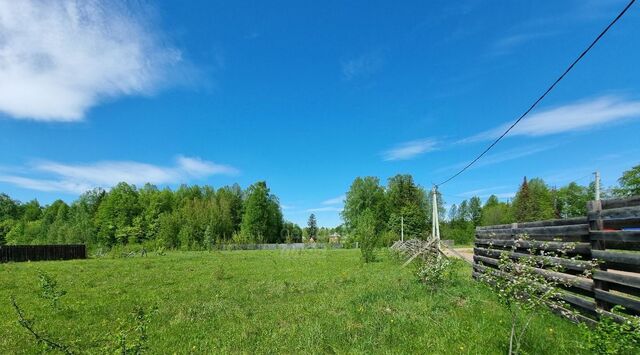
[575, 265]
[618, 260]
[616, 249]
[618, 213]
[569, 247]
[19, 253]
[621, 202]
[628, 303]
[546, 223]
[566, 230]
[587, 305]
[622, 279]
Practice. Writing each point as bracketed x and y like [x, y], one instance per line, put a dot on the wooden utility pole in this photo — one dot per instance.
[597, 174]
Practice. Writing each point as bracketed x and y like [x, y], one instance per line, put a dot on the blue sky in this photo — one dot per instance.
[309, 95]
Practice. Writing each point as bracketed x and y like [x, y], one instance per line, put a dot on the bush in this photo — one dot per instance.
[433, 270]
[612, 337]
[366, 236]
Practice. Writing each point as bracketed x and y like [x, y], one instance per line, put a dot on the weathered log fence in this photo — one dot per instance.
[606, 242]
[42, 252]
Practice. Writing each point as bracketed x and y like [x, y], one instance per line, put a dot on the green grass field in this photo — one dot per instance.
[320, 301]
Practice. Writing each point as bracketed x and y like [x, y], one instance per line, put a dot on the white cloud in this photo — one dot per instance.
[335, 200]
[78, 178]
[582, 115]
[506, 44]
[60, 58]
[501, 157]
[198, 167]
[409, 150]
[484, 191]
[362, 66]
[324, 209]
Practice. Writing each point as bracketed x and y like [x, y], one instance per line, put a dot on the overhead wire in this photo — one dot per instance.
[584, 52]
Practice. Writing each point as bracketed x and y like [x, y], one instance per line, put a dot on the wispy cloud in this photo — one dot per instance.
[496, 158]
[77, 178]
[335, 200]
[484, 191]
[506, 44]
[409, 150]
[60, 58]
[577, 116]
[324, 209]
[362, 66]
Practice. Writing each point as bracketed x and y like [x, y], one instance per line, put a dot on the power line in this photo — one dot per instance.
[544, 94]
[467, 197]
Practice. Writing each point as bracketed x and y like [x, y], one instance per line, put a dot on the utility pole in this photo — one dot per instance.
[597, 174]
[435, 224]
[402, 228]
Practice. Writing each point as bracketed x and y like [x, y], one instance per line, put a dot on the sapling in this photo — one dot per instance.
[50, 290]
[524, 288]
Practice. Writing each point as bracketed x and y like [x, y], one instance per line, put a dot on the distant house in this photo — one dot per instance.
[334, 238]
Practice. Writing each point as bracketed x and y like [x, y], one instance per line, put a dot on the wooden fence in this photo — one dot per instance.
[609, 234]
[42, 252]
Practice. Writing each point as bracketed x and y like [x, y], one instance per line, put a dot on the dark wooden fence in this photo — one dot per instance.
[610, 234]
[42, 252]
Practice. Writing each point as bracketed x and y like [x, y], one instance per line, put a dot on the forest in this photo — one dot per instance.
[191, 217]
[373, 213]
[200, 217]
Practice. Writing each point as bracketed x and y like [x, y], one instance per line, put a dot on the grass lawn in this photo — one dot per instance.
[320, 301]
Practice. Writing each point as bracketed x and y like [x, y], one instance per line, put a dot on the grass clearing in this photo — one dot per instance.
[319, 301]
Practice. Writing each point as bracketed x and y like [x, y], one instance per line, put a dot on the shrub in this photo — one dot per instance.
[50, 290]
[433, 270]
[614, 337]
[366, 236]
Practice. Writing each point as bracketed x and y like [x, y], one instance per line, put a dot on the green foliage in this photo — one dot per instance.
[629, 183]
[191, 217]
[495, 212]
[262, 219]
[9, 208]
[533, 202]
[116, 213]
[611, 337]
[367, 235]
[42, 339]
[31, 211]
[407, 205]
[50, 290]
[132, 337]
[365, 194]
[292, 232]
[434, 270]
[572, 200]
[524, 291]
[312, 227]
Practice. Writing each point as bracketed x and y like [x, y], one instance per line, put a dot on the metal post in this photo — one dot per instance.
[402, 228]
[597, 173]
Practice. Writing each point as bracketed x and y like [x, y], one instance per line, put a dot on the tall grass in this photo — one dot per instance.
[319, 301]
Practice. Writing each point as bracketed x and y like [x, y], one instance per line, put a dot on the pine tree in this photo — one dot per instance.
[523, 204]
[312, 227]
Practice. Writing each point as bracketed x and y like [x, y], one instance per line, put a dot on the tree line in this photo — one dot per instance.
[191, 217]
[198, 217]
[373, 213]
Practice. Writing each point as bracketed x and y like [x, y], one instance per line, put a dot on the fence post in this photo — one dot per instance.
[594, 213]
